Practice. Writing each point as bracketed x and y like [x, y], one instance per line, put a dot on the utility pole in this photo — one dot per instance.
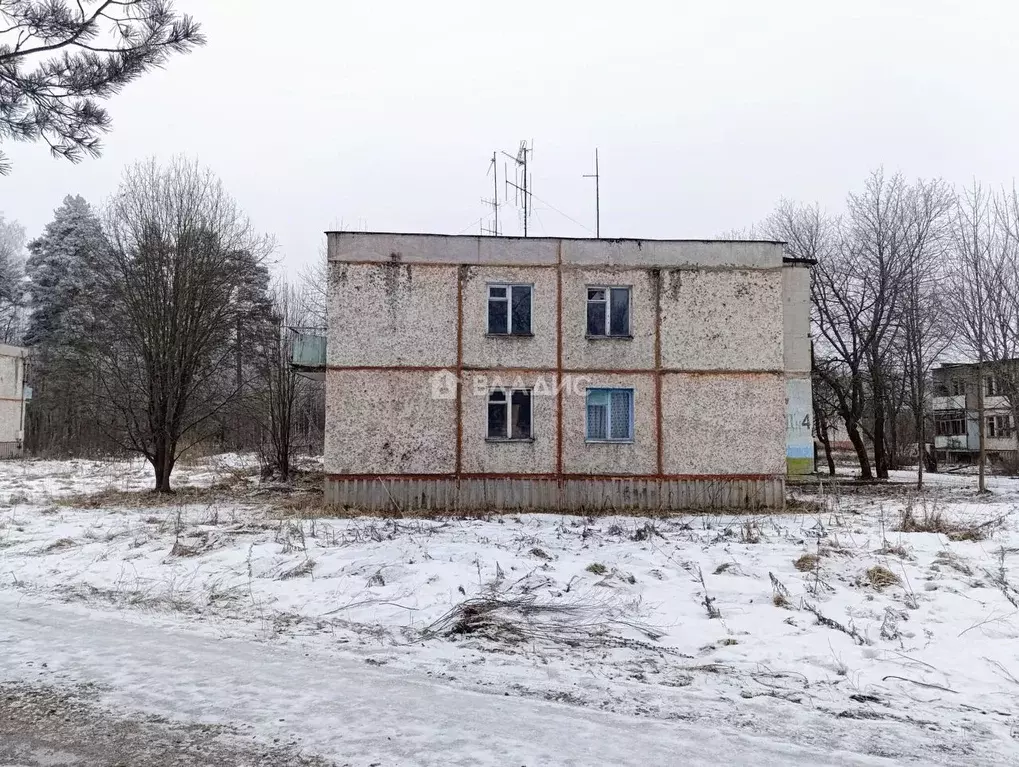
[597, 195]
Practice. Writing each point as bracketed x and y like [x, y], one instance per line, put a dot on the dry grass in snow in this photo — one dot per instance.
[875, 608]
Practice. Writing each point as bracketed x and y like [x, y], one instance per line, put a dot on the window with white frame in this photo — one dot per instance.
[509, 414]
[951, 427]
[509, 310]
[610, 415]
[999, 426]
[990, 386]
[608, 312]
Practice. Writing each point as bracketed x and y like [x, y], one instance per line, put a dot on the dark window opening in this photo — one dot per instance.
[509, 310]
[509, 414]
[608, 312]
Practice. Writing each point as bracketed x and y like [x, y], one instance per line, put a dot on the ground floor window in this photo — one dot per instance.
[509, 414]
[610, 415]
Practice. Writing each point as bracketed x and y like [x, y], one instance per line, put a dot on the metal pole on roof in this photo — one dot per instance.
[597, 195]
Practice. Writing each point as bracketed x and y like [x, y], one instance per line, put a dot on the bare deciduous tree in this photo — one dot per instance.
[839, 301]
[982, 295]
[280, 388]
[168, 302]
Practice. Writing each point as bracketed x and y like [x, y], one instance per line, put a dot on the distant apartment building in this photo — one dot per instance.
[12, 400]
[956, 406]
[564, 374]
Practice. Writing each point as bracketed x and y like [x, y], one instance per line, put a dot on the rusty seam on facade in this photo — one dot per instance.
[565, 371]
[556, 476]
[459, 367]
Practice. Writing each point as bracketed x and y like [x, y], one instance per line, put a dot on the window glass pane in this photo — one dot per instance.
[596, 318]
[497, 316]
[497, 420]
[620, 418]
[497, 291]
[595, 294]
[521, 309]
[497, 395]
[620, 312]
[520, 403]
[597, 426]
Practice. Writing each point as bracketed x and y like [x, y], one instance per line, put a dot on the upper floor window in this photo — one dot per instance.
[610, 415]
[958, 386]
[999, 426]
[955, 427]
[509, 414]
[608, 312]
[990, 386]
[509, 310]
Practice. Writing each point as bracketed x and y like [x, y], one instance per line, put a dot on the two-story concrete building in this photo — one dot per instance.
[564, 374]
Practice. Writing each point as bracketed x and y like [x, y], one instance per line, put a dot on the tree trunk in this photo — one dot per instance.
[880, 455]
[921, 452]
[981, 431]
[162, 465]
[861, 450]
[826, 443]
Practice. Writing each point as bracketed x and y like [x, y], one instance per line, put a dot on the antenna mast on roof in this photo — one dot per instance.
[523, 182]
[494, 202]
[597, 195]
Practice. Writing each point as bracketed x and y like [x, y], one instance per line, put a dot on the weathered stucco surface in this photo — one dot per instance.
[796, 318]
[638, 457]
[673, 253]
[722, 320]
[391, 314]
[12, 371]
[535, 351]
[721, 424]
[387, 423]
[470, 249]
[580, 352]
[483, 457]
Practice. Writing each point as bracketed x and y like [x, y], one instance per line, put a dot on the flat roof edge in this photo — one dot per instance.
[706, 241]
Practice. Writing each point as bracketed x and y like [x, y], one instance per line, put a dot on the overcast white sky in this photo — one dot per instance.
[325, 114]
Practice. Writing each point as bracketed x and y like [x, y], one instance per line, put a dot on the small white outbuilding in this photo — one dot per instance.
[12, 400]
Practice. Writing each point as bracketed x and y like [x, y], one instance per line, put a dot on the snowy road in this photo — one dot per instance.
[341, 709]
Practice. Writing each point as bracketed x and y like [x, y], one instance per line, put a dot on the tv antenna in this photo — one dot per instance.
[523, 183]
[597, 195]
[493, 168]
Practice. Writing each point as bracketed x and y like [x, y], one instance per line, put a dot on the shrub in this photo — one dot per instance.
[880, 577]
[806, 563]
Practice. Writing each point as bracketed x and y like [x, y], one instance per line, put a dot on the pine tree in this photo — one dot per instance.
[61, 271]
[61, 279]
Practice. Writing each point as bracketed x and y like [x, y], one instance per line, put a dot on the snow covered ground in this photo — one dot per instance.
[825, 626]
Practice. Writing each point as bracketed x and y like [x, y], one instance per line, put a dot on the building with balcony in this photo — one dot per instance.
[469, 372]
[956, 407]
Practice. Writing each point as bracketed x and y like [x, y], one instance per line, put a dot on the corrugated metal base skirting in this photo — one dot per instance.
[569, 495]
[10, 450]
